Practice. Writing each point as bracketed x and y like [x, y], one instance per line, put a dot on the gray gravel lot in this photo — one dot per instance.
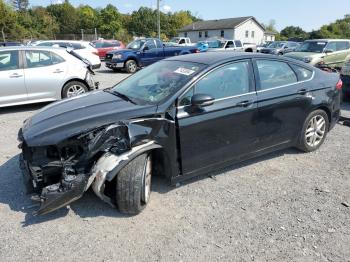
[285, 206]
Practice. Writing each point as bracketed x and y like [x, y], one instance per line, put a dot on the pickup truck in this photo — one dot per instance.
[230, 45]
[143, 52]
[181, 41]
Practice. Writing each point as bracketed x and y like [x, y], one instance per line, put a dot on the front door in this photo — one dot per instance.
[225, 130]
[12, 87]
[149, 54]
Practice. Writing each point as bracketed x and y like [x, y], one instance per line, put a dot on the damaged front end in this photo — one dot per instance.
[59, 174]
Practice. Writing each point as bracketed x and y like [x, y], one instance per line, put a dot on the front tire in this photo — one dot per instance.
[73, 88]
[133, 185]
[314, 131]
[131, 66]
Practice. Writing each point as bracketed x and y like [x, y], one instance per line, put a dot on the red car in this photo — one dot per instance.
[104, 46]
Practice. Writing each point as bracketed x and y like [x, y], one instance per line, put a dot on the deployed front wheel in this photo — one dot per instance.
[314, 131]
[73, 88]
[133, 185]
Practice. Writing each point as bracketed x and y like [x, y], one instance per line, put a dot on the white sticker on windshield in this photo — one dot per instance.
[321, 43]
[184, 71]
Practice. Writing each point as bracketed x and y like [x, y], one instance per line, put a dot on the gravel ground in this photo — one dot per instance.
[286, 206]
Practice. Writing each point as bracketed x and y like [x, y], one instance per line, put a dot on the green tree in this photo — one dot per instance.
[88, 17]
[7, 20]
[66, 16]
[110, 21]
[294, 32]
[143, 22]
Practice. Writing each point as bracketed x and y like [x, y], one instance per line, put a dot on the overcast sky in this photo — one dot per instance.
[308, 14]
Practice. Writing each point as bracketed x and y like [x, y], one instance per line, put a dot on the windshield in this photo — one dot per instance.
[312, 46]
[136, 45]
[157, 82]
[276, 45]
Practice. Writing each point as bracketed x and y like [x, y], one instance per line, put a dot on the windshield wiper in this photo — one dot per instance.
[122, 96]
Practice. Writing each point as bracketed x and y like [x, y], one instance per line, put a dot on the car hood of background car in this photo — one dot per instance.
[64, 119]
[301, 55]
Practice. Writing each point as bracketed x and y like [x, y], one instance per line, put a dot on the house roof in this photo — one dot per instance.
[228, 23]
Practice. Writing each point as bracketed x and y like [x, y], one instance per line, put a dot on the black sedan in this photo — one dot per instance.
[179, 118]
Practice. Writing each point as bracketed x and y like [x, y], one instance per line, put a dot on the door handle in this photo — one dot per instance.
[57, 71]
[302, 91]
[15, 75]
[245, 103]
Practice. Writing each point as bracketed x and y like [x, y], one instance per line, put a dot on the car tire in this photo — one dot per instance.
[133, 185]
[73, 88]
[131, 66]
[314, 131]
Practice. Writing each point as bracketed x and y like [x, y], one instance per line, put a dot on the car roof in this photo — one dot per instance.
[31, 48]
[212, 58]
[326, 40]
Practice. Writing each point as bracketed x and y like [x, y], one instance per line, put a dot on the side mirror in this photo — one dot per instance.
[328, 51]
[202, 100]
[145, 48]
[286, 47]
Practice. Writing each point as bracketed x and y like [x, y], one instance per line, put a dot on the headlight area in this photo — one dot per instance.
[117, 56]
[60, 173]
[90, 80]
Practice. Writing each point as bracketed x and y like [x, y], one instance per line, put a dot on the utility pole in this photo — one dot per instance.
[158, 18]
[82, 34]
[95, 33]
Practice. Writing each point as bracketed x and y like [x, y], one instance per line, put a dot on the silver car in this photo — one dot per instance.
[40, 74]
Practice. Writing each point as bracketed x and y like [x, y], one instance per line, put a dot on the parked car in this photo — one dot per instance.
[226, 45]
[181, 41]
[262, 46]
[105, 46]
[143, 52]
[328, 52]
[345, 76]
[202, 46]
[40, 74]
[83, 48]
[2, 44]
[279, 48]
[175, 119]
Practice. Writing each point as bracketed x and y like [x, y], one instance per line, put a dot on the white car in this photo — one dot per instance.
[83, 48]
[40, 74]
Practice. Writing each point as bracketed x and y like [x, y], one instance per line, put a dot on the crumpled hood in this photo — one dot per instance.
[61, 120]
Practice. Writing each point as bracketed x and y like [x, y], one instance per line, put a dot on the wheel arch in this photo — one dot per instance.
[326, 109]
[134, 59]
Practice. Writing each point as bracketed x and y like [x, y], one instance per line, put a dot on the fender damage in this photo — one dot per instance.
[60, 174]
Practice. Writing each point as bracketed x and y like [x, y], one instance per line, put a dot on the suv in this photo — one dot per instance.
[331, 53]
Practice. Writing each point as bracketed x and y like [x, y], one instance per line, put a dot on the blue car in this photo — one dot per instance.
[203, 46]
[144, 52]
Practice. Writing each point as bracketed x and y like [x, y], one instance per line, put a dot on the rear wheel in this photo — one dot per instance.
[314, 131]
[73, 88]
[131, 66]
[133, 185]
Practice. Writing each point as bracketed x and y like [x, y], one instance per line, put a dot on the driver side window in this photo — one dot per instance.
[227, 81]
[150, 44]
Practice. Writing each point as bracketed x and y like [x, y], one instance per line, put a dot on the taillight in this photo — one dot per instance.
[339, 85]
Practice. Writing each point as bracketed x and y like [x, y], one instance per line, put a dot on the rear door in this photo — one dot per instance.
[340, 50]
[225, 130]
[283, 101]
[44, 74]
[12, 87]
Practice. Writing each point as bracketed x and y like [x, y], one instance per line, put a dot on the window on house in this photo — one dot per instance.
[185, 34]
[246, 34]
[253, 34]
[222, 33]
[199, 34]
[206, 33]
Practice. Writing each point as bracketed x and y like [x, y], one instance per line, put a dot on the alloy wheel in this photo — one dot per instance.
[146, 183]
[315, 131]
[75, 90]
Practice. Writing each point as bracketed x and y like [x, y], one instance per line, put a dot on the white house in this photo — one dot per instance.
[247, 29]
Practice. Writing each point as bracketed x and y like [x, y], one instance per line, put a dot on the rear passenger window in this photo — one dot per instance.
[38, 59]
[56, 59]
[303, 73]
[8, 60]
[274, 74]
